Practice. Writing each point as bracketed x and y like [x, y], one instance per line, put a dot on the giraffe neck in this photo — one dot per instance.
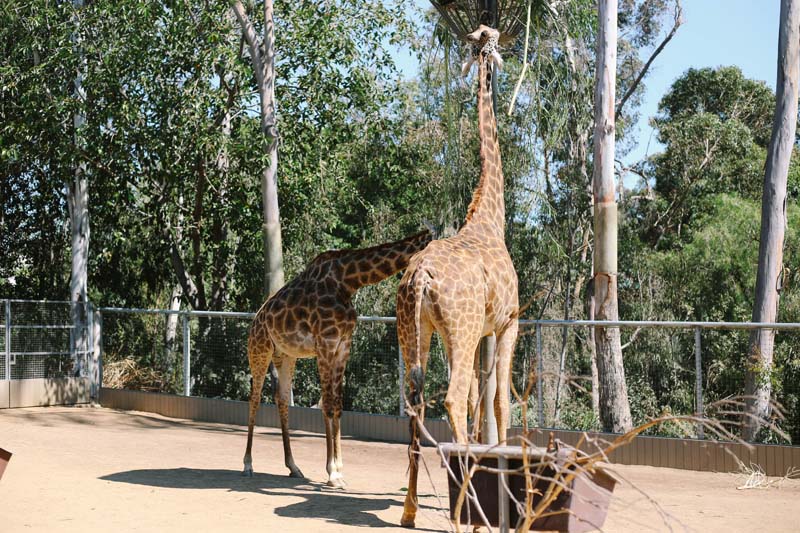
[488, 204]
[371, 265]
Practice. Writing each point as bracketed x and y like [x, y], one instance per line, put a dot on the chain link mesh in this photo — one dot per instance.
[3, 340]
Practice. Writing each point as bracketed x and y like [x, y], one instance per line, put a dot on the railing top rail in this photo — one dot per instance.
[663, 324]
[676, 324]
[23, 301]
[132, 310]
[379, 319]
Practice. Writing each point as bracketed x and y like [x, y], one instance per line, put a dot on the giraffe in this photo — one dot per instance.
[464, 288]
[313, 316]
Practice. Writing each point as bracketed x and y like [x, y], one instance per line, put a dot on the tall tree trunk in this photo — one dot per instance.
[78, 203]
[615, 414]
[773, 220]
[262, 55]
[273, 250]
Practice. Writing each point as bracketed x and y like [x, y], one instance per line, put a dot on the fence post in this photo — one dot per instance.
[187, 362]
[539, 372]
[401, 373]
[8, 339]
[89, 354]
[489, 382]
[97, 354]
[502, 495]
[698, 384]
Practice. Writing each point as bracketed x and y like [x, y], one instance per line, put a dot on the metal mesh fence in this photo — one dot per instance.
[43, 339]
[554, 363]
[138, 353]
[661, 375]
[5, 310]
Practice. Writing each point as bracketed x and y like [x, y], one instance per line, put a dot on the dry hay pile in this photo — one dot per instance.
[127, 373]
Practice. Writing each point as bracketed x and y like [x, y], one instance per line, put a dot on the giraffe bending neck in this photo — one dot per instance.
[488, 204]
[368, 266]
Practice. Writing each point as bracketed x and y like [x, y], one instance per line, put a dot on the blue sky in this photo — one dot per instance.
[714, 33]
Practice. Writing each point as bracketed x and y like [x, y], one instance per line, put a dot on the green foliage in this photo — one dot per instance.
[725, 93]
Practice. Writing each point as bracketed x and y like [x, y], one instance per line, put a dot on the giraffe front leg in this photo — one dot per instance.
[335, 478]
[259, 362]
[336, 431]
[333, 458]
[285, 373]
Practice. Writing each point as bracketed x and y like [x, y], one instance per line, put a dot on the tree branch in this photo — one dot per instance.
[656, 52]
[184, 279]
[251, 37]
[632, 339]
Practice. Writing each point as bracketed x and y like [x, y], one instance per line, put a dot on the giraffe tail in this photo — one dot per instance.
[416, 374]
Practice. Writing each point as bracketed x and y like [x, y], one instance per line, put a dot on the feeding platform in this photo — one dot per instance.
[5, 457]
[581, 506]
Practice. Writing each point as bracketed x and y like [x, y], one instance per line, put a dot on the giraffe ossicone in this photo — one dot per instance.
[313, 316]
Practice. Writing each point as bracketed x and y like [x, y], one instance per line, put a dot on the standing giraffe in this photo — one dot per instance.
[464, 288]
[313, 316]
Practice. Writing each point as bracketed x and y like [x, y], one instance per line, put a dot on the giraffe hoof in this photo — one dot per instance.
[337, 482]
[248, 471]
[295, 472]
[407, 520]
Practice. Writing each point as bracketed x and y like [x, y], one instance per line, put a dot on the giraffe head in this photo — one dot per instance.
[483, 43]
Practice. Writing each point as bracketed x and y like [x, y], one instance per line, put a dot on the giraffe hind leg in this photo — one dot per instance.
[416, 364]
[474, 397]
[282, 395]
[260, 356]
[504, 354]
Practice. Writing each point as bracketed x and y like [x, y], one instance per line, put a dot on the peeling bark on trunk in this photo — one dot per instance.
[79, 223]
[613, 395]
[273, 248]
[769, 279]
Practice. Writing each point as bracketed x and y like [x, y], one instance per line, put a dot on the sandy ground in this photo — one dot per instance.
[92, 469]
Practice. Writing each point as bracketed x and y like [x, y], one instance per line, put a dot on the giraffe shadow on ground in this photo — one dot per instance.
[320, 502]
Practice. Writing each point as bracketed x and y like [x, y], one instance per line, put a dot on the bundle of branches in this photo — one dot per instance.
[507, 16]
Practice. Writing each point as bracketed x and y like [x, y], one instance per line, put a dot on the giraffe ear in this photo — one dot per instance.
[497, 59]
[431, 228]
[466, 66]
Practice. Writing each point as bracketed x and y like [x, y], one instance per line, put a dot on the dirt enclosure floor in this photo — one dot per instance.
[93, 469]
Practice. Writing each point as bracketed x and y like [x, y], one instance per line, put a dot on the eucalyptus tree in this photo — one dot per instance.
[769, 281]
[262, 56]
[614, 406]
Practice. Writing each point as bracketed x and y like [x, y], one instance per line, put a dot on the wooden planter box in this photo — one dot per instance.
[5, 457]
[582, 508]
